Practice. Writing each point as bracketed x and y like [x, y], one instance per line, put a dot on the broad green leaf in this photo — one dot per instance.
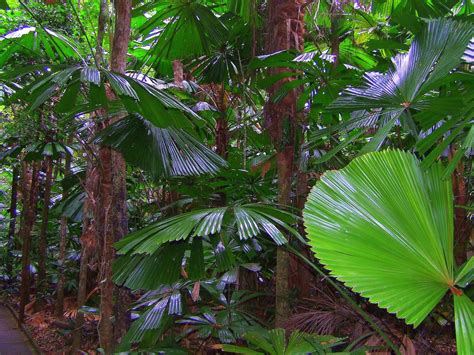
[384, 226]
[464, 321]
[162, 152]
[411, 83]
[465, 274]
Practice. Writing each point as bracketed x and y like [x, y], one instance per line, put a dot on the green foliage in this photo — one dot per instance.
[227, 320]
[384, 226]
[410, 91]
[161, 152]
[164, 244]
[180, 22]
[274, 342]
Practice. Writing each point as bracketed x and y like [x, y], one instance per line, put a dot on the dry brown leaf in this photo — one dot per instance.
[196, 290]
[407, 348]
[375, 341]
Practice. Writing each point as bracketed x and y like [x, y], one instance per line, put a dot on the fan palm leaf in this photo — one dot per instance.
[38, 42]
[188, 29]
[162, 304]
[384, 226]
[163, 152]
[407, 90]
[135, 94]
[165, 243]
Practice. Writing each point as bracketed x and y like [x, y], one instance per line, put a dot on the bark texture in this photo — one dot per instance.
[301, 275]
[12, 223]
[63, 232]
[29, 199]
[222, 136]
[88, 246]
[43, 239]
[335, 13]
[285, 29]
[103, 17]
[112, 189]
[178, 73]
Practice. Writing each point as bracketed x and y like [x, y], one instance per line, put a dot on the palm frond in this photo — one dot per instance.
[408, 86]
[165, 243]
[39, 42]
[464, 322]
[188, 29]
[384, 226]
[162, 152]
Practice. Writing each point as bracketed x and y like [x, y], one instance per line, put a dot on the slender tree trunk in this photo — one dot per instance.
[122, 294]
[113, 214]
[285, 29]
[103, 18]
[222, 126]
[302, 276]
[91, 210]
[222, 136]
[462, 225]
[178, 73]
[29, 191]
[43, 239]
[285, 166]
[88, 246]
[12, 224]
[335, 41]
[63, 231]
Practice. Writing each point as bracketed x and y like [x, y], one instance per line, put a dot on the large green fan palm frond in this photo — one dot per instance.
[162, 152]
[165, 243]
[86, 85]
[189, 29]
[432, 55]
[409, 91]
[37, 42]
[384, 226]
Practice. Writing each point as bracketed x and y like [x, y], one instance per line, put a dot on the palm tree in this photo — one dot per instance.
[285, 29]
[415, 93]
[179, 245]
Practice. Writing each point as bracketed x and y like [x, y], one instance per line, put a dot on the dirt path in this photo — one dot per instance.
[12, 339]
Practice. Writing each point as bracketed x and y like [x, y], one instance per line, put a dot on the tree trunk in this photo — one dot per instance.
[43, 239]
[462, 225]
[285, 167]
[88, 245]
[285, 29]
[113, 214]
[122, 295]
[103, 18]
[12, 223]
[222, 126]
[301, 274]
[29, 192]
[63, 230]
[222, 136]
[335, 13]
[178, 73]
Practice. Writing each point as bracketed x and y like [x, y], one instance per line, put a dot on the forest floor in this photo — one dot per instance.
[54, 336]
